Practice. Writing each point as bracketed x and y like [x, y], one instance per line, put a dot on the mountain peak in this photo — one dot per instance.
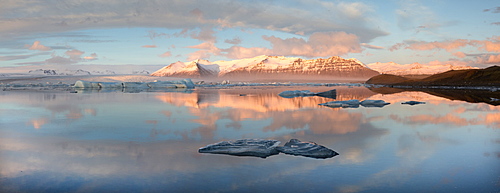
[265, 65]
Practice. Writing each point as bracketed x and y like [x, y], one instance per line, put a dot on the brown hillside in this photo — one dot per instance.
[386, 79]
[474, 77]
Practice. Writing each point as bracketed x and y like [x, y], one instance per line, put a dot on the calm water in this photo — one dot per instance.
[148, 142]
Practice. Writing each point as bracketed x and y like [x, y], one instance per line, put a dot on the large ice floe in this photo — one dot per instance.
[306, 149]
[355, 103]
[264, 148]
[244, 147]
[305, 93]
[184, 83]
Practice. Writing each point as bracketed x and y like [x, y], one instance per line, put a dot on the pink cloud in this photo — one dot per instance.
[371, 46]
[488, 59]
[490, 45]
[166, 54]
[319, 44]
[207, 49]
[459, 54]
[92, 56]
[149, 46]
[37, 46]
[74, 54]
[242, 52]
[446, 45]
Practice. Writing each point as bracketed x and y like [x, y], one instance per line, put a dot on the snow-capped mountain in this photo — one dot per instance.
[268, 65]
[414, 69]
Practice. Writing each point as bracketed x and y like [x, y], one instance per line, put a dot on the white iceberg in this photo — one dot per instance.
[110, 85]
[86, 84]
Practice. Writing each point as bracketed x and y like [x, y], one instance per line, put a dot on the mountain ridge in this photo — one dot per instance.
[414, 68]
[268, 66]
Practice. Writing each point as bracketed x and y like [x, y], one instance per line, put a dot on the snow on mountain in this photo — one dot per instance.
[414, 69]
[268, 65]
[77, 70]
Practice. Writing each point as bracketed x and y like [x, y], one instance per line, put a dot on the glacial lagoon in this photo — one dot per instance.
[113, 141]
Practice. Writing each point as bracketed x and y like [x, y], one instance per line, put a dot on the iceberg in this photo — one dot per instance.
[185, 83]
[306, 149]
[373, 103]
[86, 84]
[344, 104]
[134, 85]
[305, 93]
[264, 148]
[244, 147]
[412, 103]
[296, 93]
[110, 85]
[355, 103]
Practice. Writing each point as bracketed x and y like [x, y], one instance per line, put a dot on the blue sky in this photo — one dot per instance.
[115, 32]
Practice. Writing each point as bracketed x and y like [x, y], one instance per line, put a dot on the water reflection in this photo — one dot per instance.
[148, 142]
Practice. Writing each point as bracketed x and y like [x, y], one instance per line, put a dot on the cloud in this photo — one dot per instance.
[238, 52]
[149, 46]
[459, 54]
[21, 56]
[59, 60]
[37, 46]
[166, 54]
[206, 50]
[493, 10]
[20, 18]
[446, 45]
[488, 59]
[320, 44]
[92, 56]
[490, 45]
[372, 46]
[235, 41]
[74, 54]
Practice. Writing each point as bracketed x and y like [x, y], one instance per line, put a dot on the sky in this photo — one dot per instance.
[160, 32]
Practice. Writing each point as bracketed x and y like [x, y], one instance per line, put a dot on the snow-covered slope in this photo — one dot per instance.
[268, 65]
[414, 69]
[78, 70]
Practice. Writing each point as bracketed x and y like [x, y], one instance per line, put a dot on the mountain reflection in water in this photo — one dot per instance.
[149, 141]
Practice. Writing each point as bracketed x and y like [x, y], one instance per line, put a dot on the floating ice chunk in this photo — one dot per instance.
[344, 104]
[296, 93]
[355, 103]
[86, 84]
[412, 103]
[373, 103]
[306, 93]
[306, 149]
[244, 147]
[110, 85]
[161, 84]
[134, 85]
[328, 94]
[188, 82]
